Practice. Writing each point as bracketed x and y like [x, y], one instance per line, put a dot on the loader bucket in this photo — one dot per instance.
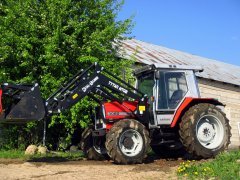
[21, 104]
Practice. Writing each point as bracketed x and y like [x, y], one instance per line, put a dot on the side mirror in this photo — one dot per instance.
[157, 74]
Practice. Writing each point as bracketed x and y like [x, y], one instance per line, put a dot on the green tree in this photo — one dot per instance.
[47, 41]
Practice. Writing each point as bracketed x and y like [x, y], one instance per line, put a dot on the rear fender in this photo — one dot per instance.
[189, 102]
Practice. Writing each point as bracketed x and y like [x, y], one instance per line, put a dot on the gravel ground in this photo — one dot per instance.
[153, 168]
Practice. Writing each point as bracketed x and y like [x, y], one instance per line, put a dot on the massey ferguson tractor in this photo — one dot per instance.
[164, 111]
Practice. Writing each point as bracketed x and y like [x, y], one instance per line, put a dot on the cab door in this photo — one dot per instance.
[171, 90]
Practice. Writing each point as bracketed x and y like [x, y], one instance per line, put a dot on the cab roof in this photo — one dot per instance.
[158, 66]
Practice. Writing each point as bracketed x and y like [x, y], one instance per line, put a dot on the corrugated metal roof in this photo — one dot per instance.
[148, 54]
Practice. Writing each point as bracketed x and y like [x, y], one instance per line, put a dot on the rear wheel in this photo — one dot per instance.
[205, 130]
[93, 147]
[127, 142]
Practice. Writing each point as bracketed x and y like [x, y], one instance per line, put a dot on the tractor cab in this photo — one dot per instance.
[167, 87]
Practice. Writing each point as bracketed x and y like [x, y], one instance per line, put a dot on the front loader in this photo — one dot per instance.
[164, 111]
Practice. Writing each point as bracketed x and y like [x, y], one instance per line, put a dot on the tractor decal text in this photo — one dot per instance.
[119, 113]
[85, 88]
[118, 87]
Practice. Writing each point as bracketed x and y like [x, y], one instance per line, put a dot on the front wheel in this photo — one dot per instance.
[127, 142]
[93, 147]
[205, 130]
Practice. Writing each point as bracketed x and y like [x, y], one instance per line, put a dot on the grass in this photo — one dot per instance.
[11, 154]
[64, 156]
[224, 166]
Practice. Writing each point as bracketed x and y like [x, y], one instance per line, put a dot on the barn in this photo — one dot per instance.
[218, 80]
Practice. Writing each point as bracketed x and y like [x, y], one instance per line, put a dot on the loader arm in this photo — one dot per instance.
[24, 102]
[95, 82]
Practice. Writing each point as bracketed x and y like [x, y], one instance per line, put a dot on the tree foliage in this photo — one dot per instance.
[47, 41]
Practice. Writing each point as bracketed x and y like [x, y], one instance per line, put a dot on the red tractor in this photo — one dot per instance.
[164, 111]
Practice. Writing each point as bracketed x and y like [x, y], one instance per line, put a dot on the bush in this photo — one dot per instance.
[49, 41]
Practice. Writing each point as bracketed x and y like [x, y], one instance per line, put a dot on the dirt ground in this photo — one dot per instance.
[83, 169]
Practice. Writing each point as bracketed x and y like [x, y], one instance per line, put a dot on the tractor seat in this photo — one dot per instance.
[175, 99]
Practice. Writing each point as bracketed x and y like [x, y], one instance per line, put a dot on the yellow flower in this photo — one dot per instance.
[196, 173]
[185, 174]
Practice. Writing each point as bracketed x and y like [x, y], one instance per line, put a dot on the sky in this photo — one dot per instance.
[208, 28]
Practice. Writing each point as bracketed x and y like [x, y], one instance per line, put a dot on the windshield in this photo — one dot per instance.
[146, 83]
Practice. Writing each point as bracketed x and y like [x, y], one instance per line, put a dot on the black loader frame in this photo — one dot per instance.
[23, 103]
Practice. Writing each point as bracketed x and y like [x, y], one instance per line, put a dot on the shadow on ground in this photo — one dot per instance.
[49, 159]
[171, 155]
[152, 158]
[149, 160]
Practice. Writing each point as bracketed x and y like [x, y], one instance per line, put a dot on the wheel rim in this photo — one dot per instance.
[210, 132]
[98, 147]
[131, 142]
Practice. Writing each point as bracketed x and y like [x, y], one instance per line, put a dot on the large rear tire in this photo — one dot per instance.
[127, 142]
[205, 131]
[91, 146]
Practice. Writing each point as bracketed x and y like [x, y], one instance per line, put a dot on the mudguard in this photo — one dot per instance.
[187, 103]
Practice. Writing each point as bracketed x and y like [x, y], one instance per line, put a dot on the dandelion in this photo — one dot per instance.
[179, 169]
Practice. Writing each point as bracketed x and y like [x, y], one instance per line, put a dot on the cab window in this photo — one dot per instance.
[172, 89]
